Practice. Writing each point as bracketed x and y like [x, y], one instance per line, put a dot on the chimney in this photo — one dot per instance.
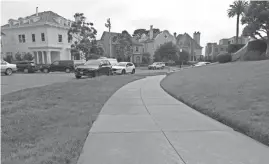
[36, 11]
[175, 34]
[196, 37]
[151, 32]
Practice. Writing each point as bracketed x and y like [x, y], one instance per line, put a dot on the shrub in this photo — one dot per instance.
[232, 48]
[224, 58]
[8, 58]
[28, 57]
[18, 56]
[257, 45]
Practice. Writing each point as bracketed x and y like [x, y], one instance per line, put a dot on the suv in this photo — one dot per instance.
[59, 66]
[93, 68]
[26, 66]
[157, 65]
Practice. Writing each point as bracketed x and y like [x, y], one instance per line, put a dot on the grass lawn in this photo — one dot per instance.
[49, 124]
[236, 94]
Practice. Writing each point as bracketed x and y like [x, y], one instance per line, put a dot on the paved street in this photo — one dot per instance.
[142, 124]
[19, 81]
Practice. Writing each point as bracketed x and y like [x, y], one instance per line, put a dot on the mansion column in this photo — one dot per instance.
[43, 57]
[48, 57]
[36, 57]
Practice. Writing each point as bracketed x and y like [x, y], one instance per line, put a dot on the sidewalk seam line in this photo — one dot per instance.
[160, 128]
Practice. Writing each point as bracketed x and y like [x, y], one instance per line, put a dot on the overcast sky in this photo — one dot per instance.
[180, 16]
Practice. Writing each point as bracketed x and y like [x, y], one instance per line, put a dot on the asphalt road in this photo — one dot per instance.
[20, 81]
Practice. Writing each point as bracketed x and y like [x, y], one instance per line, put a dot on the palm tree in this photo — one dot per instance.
[236, 9]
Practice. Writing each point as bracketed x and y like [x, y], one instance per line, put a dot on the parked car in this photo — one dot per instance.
[111, 60]
[26, 66]
[58, 66]
[93, 68]
[7, 68]
[201, 64]
[123, 68]
[157, 65]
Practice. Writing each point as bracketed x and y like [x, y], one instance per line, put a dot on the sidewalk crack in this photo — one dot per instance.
[159, 126]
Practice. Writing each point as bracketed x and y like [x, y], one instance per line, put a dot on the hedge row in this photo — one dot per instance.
[257, 45]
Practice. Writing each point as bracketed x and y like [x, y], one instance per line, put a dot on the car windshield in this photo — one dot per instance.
[155, 64]
[92, 62]
[121, 64]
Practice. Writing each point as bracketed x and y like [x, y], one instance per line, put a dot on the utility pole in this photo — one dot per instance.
[108, 25]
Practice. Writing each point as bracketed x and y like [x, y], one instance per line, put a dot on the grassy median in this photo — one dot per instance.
[236, 94]
[48, 125]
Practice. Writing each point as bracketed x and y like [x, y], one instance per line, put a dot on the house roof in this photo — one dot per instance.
[133, 39]
[151, 40]
[107, 33]
[185, 38]
[46, 16]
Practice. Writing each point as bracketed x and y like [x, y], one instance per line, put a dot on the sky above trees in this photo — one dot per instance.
[207, 16]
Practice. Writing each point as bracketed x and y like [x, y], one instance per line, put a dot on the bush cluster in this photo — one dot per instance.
[224, 58]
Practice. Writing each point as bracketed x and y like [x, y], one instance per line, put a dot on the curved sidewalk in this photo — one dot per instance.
[142, 124]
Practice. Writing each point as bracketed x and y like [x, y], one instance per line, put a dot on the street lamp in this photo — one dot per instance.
[108, 25]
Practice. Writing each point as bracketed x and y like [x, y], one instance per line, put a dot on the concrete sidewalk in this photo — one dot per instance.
[142, 124]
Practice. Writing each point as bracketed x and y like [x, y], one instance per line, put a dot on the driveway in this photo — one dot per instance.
[19, 81]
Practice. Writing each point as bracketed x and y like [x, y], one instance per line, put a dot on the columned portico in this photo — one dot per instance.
[43, 57]
[48, 57]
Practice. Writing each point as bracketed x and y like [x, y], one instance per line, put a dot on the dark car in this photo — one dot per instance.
[26, 66]
[93, 68]
[58, 66]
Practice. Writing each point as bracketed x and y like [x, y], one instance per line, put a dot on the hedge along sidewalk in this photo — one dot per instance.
[235, 94]
[49, 124]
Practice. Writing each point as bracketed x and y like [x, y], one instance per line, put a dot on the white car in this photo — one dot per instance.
[8, 68]
[157, 65]
[123, 68]
[201, 64]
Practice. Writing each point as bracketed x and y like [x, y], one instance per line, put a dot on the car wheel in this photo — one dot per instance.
[123, 72]
[133, 71]
[45, 70]
[95, 74]
[25, 70]
[108, 73]
[78, 77]
[67, 70]
[8, 71]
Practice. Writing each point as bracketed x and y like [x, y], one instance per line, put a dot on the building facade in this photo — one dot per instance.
[43, 34]
[152, 41]
[191, 45]
[213, 49]
[108, 39]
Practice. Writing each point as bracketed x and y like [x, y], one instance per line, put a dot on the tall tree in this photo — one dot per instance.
[166, 52]
[237, 9]
[124, 48]
[82, 33]
[140, 32]
[256, 19]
